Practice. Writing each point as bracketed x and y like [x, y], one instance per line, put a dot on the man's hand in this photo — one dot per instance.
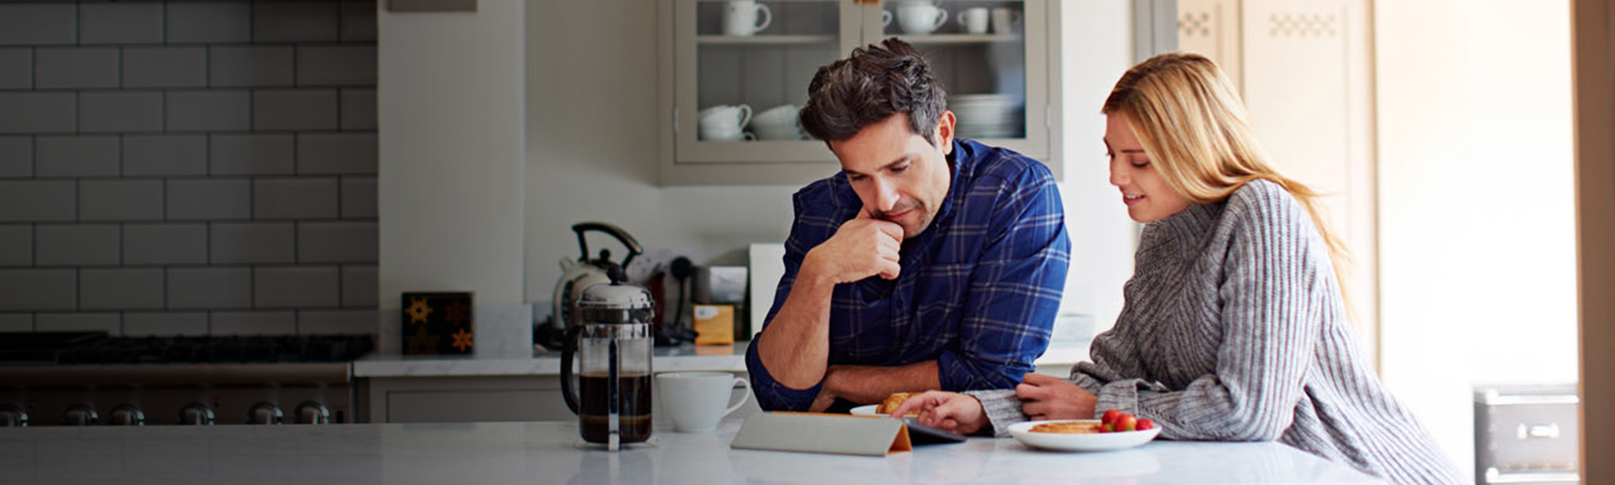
[951, 411]
[823, 402]
[861, 248]
[1048, 397]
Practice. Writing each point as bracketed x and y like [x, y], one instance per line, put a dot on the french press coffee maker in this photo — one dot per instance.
[612, 344]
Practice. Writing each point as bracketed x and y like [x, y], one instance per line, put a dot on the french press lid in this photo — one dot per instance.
[615, 302]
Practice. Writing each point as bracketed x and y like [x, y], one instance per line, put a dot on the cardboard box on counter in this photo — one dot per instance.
[714, 324]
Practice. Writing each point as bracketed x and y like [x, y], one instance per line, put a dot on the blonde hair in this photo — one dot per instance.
[1191, 122]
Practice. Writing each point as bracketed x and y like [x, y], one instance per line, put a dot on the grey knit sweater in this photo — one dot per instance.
[1234, 330]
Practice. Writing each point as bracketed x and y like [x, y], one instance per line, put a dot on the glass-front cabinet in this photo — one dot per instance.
[735, 72]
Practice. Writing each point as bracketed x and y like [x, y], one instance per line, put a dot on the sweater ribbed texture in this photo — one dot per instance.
[1234, 329]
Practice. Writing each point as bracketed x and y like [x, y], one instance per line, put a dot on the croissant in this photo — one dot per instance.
[893, 401]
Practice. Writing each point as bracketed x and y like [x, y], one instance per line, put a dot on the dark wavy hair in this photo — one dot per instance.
[873, 84]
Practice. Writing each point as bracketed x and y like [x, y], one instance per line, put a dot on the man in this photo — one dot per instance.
[929, 262]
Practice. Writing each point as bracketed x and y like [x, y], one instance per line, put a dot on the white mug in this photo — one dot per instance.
[974, 20]
[726, 116]
[726, 134]
[695, 400]
[740, 18]
[920, 17]
[1004, 20]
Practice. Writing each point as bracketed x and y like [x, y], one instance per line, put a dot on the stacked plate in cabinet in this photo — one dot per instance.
[988, 115]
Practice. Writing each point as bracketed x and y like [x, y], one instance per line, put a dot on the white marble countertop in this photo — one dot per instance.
[714, 357]
[551, 452]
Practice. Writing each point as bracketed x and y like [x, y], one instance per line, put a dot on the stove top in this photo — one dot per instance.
[98, 348]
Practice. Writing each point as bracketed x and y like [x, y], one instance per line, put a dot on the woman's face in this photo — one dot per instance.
[1146, 194]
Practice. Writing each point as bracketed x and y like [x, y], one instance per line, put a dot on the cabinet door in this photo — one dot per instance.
[992, 58]
[740, 72]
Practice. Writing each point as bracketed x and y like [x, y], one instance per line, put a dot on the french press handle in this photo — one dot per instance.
[569, 348]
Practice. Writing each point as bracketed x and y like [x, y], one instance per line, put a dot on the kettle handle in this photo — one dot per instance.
[569, 348]
[622, 236]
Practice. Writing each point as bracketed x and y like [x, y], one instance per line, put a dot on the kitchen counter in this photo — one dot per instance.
[686, 357]
[527, 453]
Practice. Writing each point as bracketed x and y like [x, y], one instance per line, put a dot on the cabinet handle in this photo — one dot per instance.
[1523, 431]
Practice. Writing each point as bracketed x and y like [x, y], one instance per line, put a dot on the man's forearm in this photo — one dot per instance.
[796, 346]
[871, 384]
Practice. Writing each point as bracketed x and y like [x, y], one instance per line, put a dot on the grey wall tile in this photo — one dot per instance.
[358, 197]
[252, 243]
[294, 21]
[164, 244]
[359, 20]
[76, 244]
[333, 322]
[164, 324]
[16, 156]
[300, 109]
[75, 67]
[252, 154]
[16, 322]
[76, 156]
[216, 199]
[254, 323]
[75, 322]
[38, 200]
[337, 153]
[38, 23]
[210, 287]
[192, 22]
[360, 285]
[121, 23]
[164, 155]
[120, 289]
[16, 68]
[250, 65]
[279, 287]
[16, 245]
[120, 200]
[54, 112]
[38, 289]
[336, 65]
[301, 198]
[217, 110]
[120, 111]
[358, 109]
[337, 242]
[164, 67]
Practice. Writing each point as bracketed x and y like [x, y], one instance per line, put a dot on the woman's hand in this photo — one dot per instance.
[950, 411]
[1048, 397]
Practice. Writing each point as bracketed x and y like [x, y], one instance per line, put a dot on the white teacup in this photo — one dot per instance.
[726, 116]
[1004, 20]
[695, 400]
[920, 17]
[740, 18]
[974, 20]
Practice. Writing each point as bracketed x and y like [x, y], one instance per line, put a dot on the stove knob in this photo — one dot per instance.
[196, 414]
[80, 415]
[313, 413]
[12, 416]
[128, 415]
[264, 413]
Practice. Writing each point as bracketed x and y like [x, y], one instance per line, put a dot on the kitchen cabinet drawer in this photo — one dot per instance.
[463, 399]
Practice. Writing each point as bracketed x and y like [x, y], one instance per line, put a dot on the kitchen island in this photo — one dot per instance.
[551, 452]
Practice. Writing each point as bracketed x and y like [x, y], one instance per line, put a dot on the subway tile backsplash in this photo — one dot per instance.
[182, 167]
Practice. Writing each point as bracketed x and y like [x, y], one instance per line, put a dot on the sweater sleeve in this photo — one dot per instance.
[1275, 268]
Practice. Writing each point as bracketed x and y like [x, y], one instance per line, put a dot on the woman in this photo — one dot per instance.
[1234, 327]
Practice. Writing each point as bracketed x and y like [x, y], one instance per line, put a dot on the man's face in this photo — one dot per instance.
[898, 175]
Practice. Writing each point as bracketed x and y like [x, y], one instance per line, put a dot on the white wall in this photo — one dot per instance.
[452, 153]
[592, 149]
[1476, 230]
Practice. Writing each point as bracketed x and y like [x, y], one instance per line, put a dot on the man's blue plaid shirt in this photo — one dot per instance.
[978, 291]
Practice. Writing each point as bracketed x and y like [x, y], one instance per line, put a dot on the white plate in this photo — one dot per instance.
[867, 410]
[1080, 442]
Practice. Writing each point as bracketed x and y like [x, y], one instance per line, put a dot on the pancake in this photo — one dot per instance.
[1067, 427]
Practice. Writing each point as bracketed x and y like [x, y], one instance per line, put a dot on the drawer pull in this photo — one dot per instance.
[1550, 430]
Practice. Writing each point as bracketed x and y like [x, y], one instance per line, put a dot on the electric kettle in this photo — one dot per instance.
[578, 274]
[612, 347]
